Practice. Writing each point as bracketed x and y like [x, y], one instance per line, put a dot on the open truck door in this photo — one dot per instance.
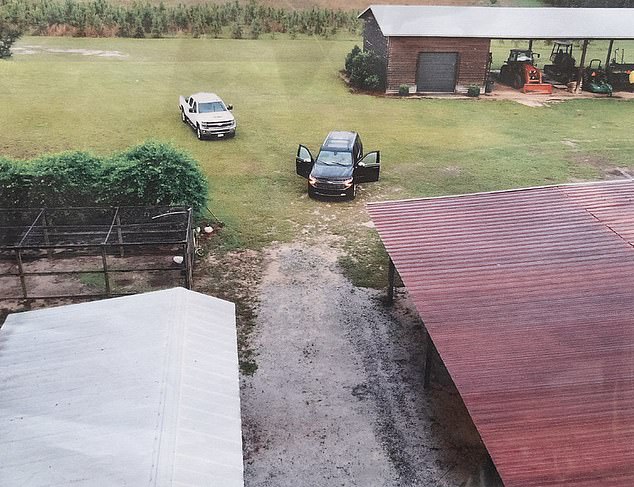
[368, 168]
[303, 162]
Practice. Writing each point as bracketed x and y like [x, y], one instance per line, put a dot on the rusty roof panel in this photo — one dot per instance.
[528, 296]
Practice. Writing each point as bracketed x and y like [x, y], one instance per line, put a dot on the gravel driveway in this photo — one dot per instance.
[338, 395]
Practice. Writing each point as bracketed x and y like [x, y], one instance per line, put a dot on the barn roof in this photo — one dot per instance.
[139, 390]
[528, 296]
[503, 22]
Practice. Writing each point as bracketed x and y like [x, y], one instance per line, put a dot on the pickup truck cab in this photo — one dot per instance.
[339, 167]
[208, 115]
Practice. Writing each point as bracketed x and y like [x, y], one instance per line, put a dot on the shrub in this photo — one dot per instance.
[155, 173]
[356, 50]
[9, 33]
[403, 90]
[365, 69]
[473, 91]
[152, 173]
[66, 179]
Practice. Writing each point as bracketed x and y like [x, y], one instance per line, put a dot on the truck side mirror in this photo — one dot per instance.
[229, 107]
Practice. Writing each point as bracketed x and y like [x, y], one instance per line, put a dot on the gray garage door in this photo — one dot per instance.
[437, 71]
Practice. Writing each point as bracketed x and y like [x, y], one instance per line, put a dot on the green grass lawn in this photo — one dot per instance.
[285, 93]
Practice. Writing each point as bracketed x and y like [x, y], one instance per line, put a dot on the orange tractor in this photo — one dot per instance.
[520, 72]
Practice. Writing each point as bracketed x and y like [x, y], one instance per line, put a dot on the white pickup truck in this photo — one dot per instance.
[208, 115]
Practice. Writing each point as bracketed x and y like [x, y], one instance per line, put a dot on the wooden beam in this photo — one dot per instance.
[391, 273]
[582, 64]
[607, 59]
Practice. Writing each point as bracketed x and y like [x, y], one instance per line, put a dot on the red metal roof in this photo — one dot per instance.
[528, 296]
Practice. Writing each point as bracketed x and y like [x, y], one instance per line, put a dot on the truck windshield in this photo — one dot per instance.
[332, 158]
[214, 106]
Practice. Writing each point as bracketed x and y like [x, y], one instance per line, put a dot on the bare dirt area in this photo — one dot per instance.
[559, 94]
[338, 396]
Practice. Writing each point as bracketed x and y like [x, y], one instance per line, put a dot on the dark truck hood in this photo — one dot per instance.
[324, 171]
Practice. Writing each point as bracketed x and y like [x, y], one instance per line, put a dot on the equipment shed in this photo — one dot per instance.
[139, 390]
[443, 49]
[528, 297]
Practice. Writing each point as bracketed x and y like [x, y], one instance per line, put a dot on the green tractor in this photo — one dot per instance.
[595, 79]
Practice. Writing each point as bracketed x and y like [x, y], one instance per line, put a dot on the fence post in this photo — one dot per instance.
[21, 273]
[106, 278]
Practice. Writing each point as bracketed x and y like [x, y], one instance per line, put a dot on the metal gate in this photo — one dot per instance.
[436, 72]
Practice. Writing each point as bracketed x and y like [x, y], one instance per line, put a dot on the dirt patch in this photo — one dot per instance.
[604, 165]
[338, 397]
[234, 276]
[53, 50]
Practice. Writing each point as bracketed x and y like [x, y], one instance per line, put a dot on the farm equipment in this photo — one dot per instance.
[563, 68]
[520, 72]
[595, 79]
[620, 75]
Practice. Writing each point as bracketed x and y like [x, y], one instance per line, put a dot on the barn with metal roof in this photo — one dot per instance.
[138, 390]
[528, 297]
[446, 49]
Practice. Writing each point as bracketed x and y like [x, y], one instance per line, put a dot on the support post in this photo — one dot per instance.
[391, 274]
[18, 254]
[607, 59]
[582, 65]
[119, 234]
[530, 44]
[429, 350]
[47, 239]
[189, 264]
[106, 277]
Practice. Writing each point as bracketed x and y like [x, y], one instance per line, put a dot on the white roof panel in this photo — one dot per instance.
[132, 391]
[504, 22]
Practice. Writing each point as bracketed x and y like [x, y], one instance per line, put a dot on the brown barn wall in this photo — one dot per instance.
[403, 52]
[373, 38]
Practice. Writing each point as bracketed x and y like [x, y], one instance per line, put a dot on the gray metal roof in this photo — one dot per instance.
[139, 390]
[504, 22]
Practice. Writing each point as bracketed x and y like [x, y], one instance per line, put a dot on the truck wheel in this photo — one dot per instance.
[199, 134]
[353, 192]
[183, 118]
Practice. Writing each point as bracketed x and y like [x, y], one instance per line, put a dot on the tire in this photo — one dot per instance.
[183, 117]
[353, 193]
[199, 134]
[311, 194]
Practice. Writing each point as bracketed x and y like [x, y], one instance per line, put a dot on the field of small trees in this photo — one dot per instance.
[101, 18]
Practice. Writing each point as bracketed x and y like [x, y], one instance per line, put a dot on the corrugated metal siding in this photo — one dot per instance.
[141, 390]
[528, 296]
[503, 22]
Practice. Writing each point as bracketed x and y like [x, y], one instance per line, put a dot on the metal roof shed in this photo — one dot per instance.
[138, 390]
[445, 49]
[528, 296]
[503, 22]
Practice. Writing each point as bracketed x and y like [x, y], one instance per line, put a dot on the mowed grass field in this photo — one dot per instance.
[104, 95]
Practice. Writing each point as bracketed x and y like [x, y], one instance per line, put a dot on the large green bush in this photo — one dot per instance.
[153, 173]
[365, 69]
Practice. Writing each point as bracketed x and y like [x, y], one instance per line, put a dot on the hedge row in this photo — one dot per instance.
[152, 173]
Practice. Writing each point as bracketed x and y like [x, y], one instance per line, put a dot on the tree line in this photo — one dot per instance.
[100, 18]
[592, 3]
